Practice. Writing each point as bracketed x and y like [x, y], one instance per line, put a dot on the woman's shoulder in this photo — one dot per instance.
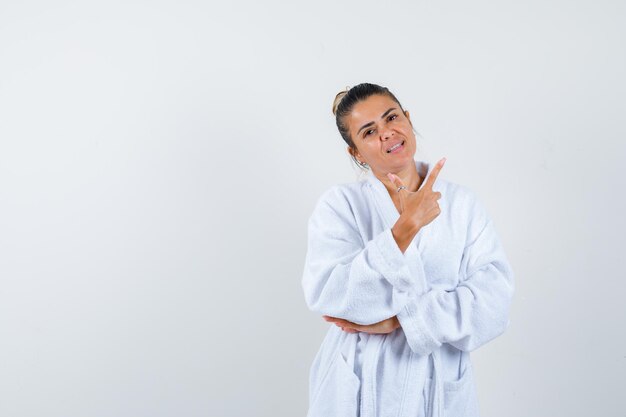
[342, 200]
[465, 202]
[343, 193]
[453, 191]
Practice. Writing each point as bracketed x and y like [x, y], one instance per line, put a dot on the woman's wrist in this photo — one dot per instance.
[396, 322]
[404, 231]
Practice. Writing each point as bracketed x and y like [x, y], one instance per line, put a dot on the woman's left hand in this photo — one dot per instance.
[382, 327]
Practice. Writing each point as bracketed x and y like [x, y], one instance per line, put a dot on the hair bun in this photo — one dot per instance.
[338, 99]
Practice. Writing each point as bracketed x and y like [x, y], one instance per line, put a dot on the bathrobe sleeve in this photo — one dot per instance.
[345, 277]
[477, 310]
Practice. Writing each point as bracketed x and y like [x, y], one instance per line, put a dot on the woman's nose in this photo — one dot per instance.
[385, 133]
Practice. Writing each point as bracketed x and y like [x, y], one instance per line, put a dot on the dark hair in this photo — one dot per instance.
[345, 102]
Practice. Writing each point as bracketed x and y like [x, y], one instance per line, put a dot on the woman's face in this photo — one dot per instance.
[382, 134]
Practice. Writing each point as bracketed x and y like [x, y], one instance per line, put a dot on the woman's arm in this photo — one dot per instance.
[346, 278]
[477, 310]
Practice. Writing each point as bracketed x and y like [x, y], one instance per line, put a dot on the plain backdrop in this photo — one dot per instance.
[159, 161]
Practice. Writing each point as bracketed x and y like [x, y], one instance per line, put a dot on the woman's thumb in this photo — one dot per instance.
[395, 180]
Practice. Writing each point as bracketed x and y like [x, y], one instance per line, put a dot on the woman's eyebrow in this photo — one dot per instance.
[371, 123]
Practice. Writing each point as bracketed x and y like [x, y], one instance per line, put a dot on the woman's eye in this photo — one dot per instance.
[390, 118]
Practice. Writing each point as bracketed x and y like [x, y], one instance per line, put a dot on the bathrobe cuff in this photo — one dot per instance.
[419, 337]
[391, 262]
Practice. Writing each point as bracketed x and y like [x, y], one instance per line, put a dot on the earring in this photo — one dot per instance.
[363, 164]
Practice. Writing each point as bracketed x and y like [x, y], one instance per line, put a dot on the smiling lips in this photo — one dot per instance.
[395, 147]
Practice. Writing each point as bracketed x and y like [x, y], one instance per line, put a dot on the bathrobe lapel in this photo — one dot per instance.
[384, 205]
[389, 213]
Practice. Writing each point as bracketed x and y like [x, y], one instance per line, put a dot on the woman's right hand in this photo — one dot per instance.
[419, 208]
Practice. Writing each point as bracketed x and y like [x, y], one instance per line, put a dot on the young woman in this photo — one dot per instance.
[409, 269]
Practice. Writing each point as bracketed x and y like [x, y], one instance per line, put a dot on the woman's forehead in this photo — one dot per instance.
[372, 108]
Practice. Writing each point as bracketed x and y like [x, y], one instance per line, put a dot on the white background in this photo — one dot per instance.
[159, 161]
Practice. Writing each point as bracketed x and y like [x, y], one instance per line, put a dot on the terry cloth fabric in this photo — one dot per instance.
[451, 291]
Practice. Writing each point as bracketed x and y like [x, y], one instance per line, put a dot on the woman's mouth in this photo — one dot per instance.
[395, 148]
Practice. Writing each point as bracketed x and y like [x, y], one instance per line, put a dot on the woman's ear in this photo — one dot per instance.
[355, 153]
[406, 113]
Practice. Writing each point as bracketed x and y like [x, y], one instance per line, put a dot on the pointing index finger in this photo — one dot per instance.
[433, 174]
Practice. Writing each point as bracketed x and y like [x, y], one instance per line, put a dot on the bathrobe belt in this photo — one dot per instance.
[368, 382]
[437, 399]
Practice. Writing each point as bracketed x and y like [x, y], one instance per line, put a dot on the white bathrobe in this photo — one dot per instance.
[451, 290]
